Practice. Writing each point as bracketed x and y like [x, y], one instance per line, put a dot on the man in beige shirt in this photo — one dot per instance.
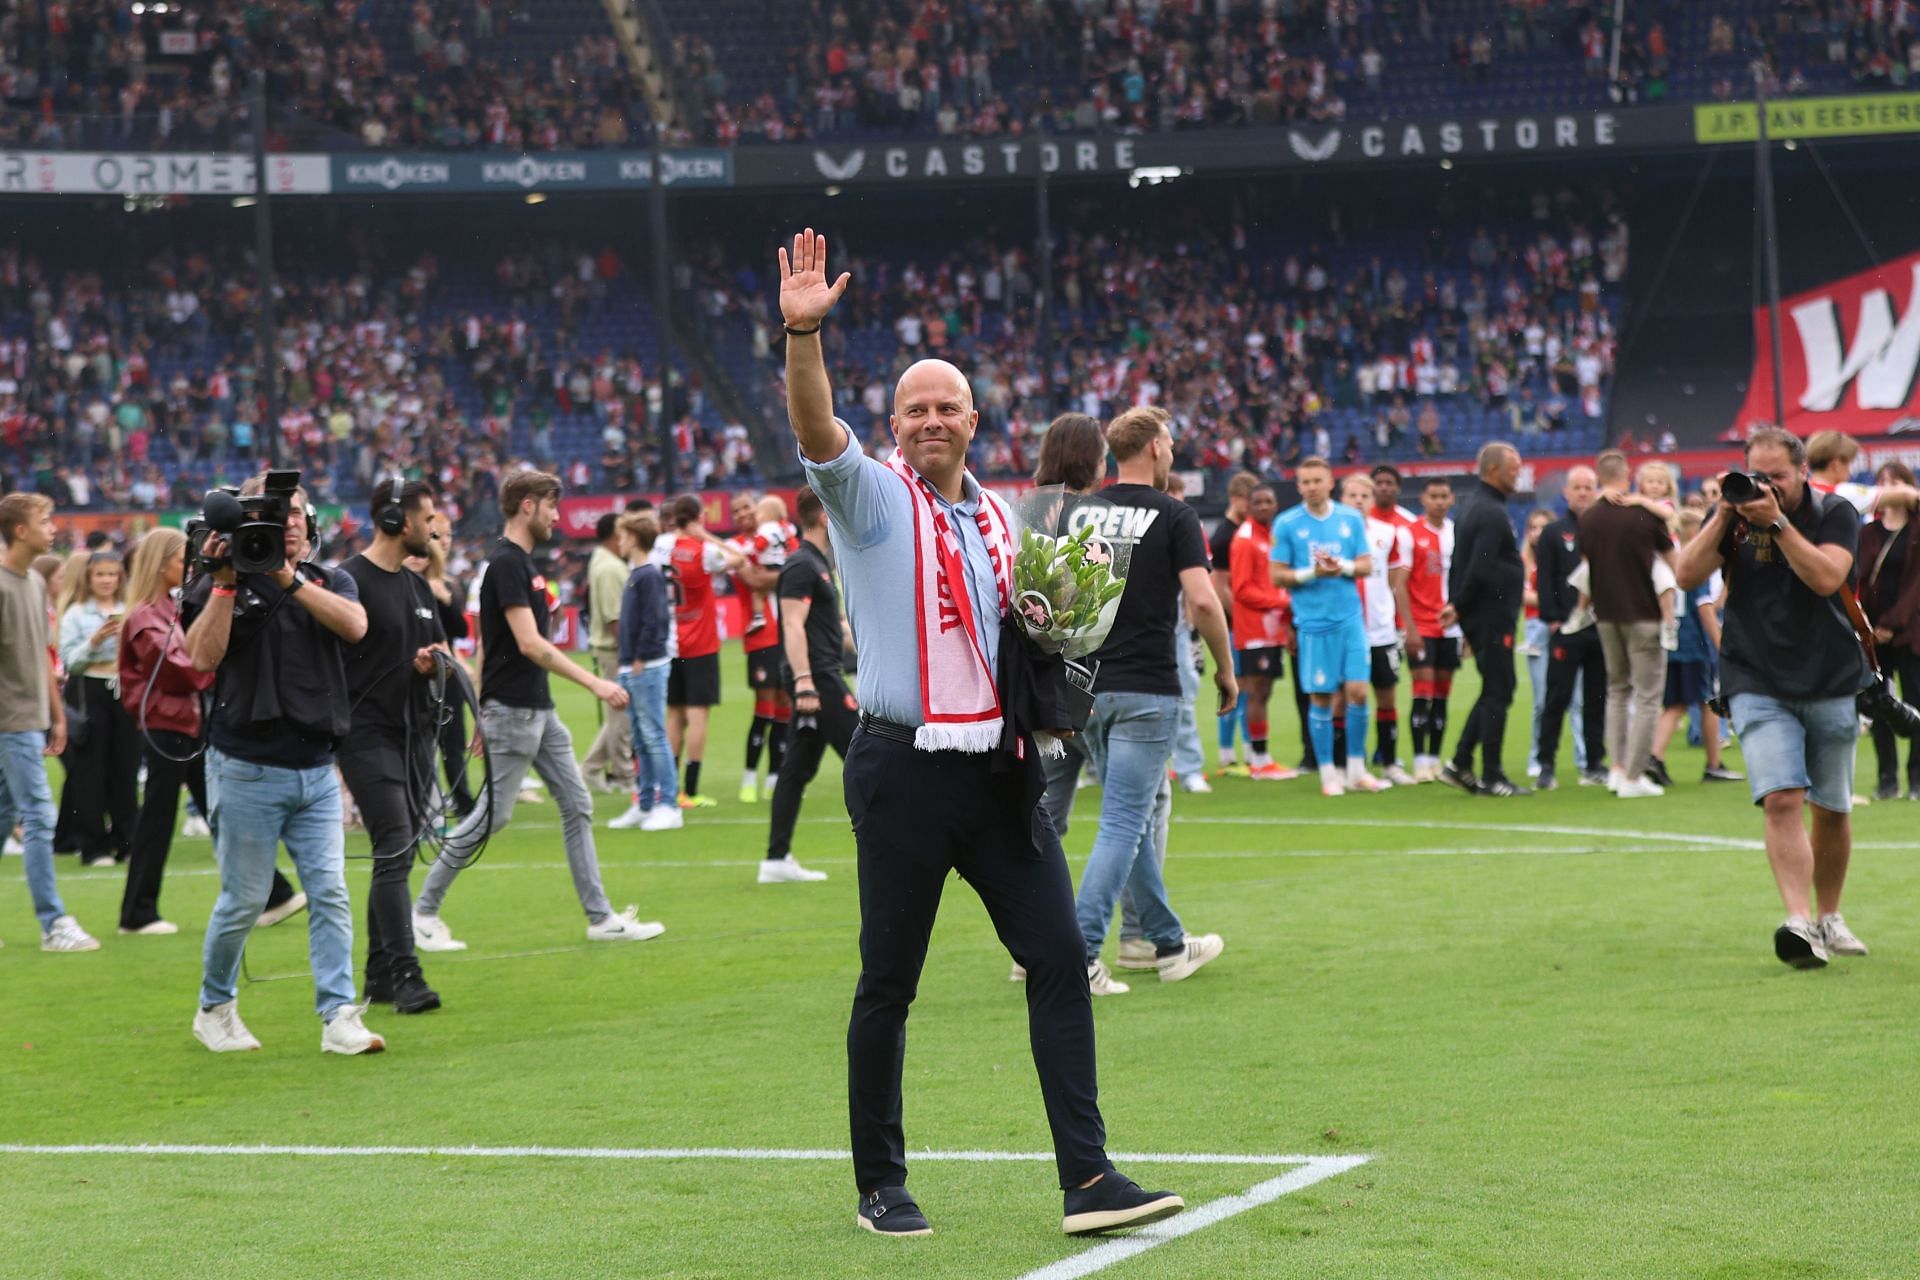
[608, 765]
[33, 720]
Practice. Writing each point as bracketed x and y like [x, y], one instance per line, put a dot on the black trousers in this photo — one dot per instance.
[1486, 726]
[918, 815]
[807, 745]
[153, 830]
[376, 772]
[1903, 663]
[1570, 657]
[101, 795]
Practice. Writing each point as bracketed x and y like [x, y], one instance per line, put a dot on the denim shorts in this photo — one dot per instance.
[1798, 744]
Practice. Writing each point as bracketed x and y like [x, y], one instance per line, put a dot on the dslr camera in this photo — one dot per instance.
[1743, 486]
[255, 526]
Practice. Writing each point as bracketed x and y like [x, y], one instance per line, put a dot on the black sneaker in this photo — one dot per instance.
[377, 990]
[1546, 781]
[1115, 1202]
[890, 1211]
[1887, 790]
[1657, 772]
[1460, 779]
[1503, 787]
[1593, 777]
[412, 995]
[1720, 773]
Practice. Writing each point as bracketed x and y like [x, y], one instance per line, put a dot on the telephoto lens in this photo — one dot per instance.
[1738, 486]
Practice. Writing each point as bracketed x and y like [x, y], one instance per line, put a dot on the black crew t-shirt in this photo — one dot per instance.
[807, 576]
[508, 676]
[402, 619]
[1780, 638]
[1166, 538]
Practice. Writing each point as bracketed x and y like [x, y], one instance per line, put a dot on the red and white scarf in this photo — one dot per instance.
[959, 699]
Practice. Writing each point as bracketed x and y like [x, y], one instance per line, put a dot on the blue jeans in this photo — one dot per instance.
[255, 808]
[655, 779]
[1186, 735]
[1537, 639]
[1128, 738]
[26, 794]
[1798, 744]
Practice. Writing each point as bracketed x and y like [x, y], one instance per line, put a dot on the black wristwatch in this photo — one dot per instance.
[1777, 526]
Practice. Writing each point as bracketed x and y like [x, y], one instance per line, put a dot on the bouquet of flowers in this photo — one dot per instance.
[1068, 576]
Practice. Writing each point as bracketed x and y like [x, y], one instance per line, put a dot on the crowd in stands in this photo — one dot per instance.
[1263, 353]
[449, 74]
[142, 392]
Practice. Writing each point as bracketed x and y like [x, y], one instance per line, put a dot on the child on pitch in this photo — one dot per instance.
[766, 548]
[1690, 670]
[1653, 488]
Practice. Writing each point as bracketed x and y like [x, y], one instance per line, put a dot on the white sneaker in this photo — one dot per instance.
[1425, 771]
[625, 927]
[195, 827]
[1019, 973]
[773, 780]
[1639, 789]
[98, 860]
[629, 820]
[1135, 953]
[1533, 768]
[786, 871]
[1616, 778]
[67, 935]
[157, 929]
[1182, 965]
[1101, 983]
[1196, 784]
[221, 1030]
[430, 933]
[274, 915]
[13, 848]
[1799, 944]
[664, 817]
[1331, 784]
[347, 1034]
[1837, 938]
[1400, 777]
[1358, 779]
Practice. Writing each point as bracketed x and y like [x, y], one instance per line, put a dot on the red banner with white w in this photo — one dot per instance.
[1849, 351]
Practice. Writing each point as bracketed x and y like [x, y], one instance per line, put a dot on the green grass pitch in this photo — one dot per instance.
[1554, 1024]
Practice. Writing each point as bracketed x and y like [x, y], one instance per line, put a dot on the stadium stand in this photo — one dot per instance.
[1264, 348]
[505, 75]
[885, 68]
[139, 391]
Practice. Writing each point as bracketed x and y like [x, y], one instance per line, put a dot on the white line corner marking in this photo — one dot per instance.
[1102, 1256]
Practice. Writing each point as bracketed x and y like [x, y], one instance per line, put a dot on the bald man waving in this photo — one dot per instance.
[924, 556]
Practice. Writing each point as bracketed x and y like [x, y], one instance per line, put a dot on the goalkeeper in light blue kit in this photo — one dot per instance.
[1319, 550]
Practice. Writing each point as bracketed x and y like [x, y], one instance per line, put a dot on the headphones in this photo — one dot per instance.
[390, 517]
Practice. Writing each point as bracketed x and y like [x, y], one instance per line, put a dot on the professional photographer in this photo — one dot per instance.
[276, 630]
[387, 756]
[1791, 668]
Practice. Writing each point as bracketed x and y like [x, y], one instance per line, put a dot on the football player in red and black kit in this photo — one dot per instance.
[693, 683]
[1433, 651]
[760, 534]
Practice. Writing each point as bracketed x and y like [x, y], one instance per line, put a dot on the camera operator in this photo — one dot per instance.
[387, 755]
[277, 641]
[1790, 669]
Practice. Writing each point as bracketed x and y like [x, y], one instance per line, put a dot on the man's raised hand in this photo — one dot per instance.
[805, 295]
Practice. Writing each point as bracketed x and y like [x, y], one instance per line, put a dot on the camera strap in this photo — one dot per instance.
[1862, 629]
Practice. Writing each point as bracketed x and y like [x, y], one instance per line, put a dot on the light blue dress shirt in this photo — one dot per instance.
[870, 522]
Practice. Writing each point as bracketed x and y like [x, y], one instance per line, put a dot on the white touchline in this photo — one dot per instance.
[1528, 828]
[644, 1153]
[1102, 1256]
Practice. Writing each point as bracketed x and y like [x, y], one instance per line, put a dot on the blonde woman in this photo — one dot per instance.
[103, 758]
[161, 693]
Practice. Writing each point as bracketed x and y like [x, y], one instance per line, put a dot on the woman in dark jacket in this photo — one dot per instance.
[1888, 571]
[161, 692]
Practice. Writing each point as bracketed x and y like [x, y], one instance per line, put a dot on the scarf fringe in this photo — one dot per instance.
[975, 739]
[1051, 748]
